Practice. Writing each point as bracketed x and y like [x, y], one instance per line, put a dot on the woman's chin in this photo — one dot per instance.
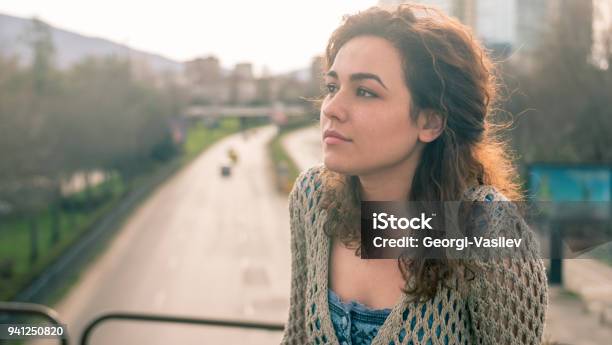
[338, 165]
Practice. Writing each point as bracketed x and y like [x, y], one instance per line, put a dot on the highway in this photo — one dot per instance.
[201, 246]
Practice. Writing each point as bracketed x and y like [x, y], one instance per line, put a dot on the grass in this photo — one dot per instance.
[569, 294]
[199, 137]
[281, 159]
[15, 242]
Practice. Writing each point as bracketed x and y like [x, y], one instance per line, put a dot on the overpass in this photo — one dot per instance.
[276, 112]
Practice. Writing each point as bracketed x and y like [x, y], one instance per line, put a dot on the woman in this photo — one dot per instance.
[406, 117]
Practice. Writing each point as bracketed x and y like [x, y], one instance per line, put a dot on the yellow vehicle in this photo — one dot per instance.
[233, 156]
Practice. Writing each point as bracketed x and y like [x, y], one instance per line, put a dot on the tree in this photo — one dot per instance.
[567, 96]
[30, 166]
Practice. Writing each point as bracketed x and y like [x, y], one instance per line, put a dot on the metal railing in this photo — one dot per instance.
[34, 309]
[51, 315]
[175, 319]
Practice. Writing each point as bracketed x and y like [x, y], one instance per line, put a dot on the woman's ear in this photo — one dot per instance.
[430, 125]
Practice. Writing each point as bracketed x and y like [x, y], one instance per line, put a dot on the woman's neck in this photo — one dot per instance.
[389, 184]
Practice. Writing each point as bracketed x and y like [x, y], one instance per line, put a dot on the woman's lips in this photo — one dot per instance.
[334, 140]
[332, 137]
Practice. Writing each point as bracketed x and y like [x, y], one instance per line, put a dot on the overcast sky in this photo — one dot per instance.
[282, 35]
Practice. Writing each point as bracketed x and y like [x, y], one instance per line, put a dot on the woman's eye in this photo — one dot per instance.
[331, 88]
[365, 93]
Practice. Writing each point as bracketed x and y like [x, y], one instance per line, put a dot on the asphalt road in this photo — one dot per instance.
[304, 147]
[200, 246]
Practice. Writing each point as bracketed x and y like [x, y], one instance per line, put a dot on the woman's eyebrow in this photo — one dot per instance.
[358, 76]
[362, 76]
[332, 74]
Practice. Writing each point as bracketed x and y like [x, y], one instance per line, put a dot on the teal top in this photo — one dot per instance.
[354, 323]
[357, 324]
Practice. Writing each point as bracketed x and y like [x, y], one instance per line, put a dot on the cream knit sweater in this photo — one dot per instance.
[507, 305]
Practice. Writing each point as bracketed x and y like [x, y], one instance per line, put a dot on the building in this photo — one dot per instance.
[496, 24]
[316, 76]
[205, 81]
[267, 88]
[518, 28]
[464, 10]
[243, 84]
[532, 23]
[602, 32]
[444, 5]
[203, 70]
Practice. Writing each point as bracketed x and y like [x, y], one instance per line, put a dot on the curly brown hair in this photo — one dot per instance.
[449, 73]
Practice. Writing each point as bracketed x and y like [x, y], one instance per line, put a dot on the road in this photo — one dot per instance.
[304, 147]
[201, 246]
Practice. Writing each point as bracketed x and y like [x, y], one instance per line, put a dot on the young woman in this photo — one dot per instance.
[406, 117]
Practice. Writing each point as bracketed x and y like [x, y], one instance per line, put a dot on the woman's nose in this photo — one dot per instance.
[335, 107]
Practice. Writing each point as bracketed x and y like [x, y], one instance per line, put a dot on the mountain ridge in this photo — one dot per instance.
[72, 47]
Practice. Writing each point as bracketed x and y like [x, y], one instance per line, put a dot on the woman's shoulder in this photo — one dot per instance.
[306, 185]
[309, 178]
[484, 193]
[498, 216]
[489, 201]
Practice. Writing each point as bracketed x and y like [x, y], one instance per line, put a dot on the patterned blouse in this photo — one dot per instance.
[357, 324]
[354, 323]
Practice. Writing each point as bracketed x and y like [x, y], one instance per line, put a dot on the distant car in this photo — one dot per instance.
[232, 155]
[226, 170]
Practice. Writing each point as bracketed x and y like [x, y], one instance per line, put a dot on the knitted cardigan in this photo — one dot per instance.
[506, 305]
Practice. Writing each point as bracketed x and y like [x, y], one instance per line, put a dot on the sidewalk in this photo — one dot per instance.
[568, 321]
[575, 311]
[592, 280]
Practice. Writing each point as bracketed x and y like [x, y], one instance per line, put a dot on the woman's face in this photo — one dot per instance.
[365, 118]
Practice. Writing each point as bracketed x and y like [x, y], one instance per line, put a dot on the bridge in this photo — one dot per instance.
[278, 113]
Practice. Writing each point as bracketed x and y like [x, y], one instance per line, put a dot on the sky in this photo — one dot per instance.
[277, 35]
